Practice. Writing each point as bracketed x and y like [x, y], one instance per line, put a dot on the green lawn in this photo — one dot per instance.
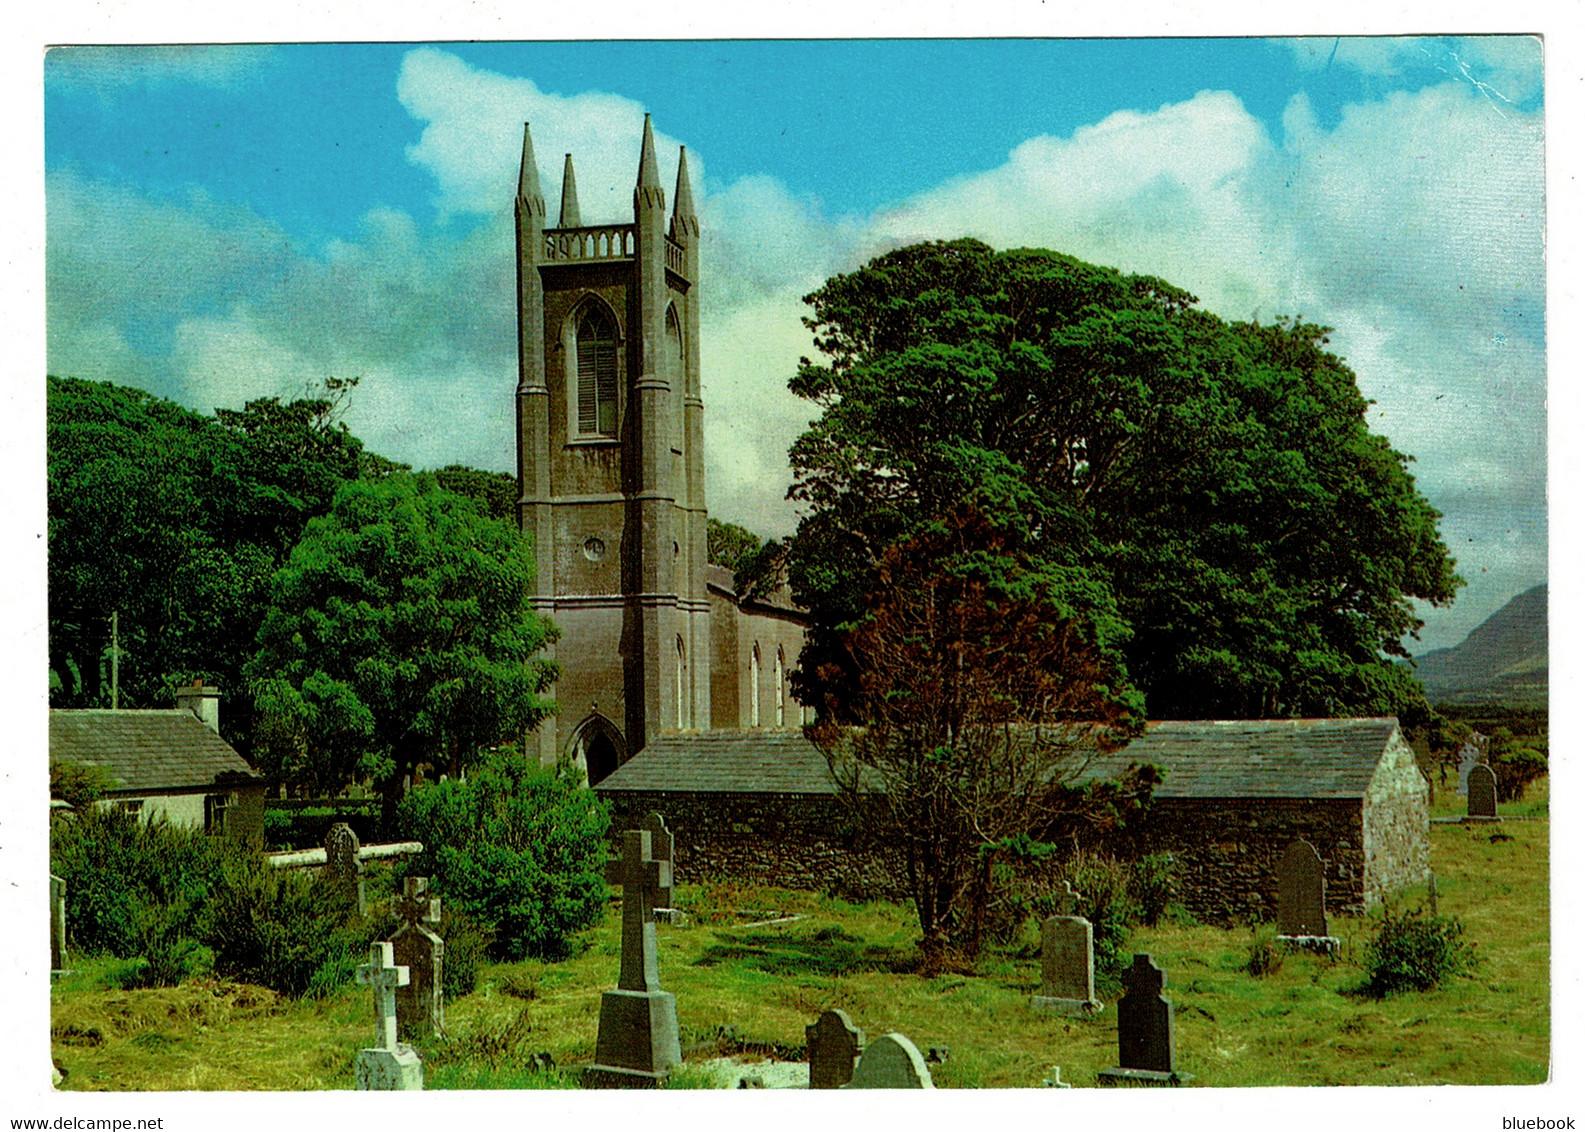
[748, 987]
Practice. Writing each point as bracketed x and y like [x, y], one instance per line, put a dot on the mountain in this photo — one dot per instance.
[1503, 658]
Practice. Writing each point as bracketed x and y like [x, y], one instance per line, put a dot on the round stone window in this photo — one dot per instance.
[593, 549]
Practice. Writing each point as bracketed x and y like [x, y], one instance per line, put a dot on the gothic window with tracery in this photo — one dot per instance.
[595, 365]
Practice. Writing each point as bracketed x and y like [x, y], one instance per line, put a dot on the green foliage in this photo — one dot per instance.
[1265, 954]
[1415, 951]
[176, 522]
[516, 847]
[495, 493]
[166, 954]
[1515, 765]
[281, 929]
[78, 784]
[1153, 885]
[1215, 481]
[1102, 884]
[398, 634]
[727, 544]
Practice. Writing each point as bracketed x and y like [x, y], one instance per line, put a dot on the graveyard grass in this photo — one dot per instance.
[749, 988]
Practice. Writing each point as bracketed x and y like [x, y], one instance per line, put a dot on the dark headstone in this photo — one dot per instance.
[637, 1043]
[891, 1062]
[834, 1045]
[343, 870]
[1482, 791]
[661, 848]
[57, 923]
[1144, 1029]
[1301, 891]
[420, 1007]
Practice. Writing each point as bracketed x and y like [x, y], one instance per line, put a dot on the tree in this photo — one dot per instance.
[726, 544]
[398, 634]
[175, 522]
[982, 681]
[1261, 546]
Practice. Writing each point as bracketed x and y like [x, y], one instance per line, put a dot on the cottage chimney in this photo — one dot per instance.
[203, 701]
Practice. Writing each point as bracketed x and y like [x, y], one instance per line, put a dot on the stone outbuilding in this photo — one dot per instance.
[168, 763]
[760, 806]
[1236, 793]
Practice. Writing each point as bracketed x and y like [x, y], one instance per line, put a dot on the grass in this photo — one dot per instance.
[744, 986]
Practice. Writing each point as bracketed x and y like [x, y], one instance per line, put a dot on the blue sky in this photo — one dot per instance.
[226, 223]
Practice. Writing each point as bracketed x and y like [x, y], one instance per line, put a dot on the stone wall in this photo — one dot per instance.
[1397, 824]
[1228, 850]
[798, 841]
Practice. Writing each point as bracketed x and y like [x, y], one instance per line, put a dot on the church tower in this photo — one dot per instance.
[610, 461]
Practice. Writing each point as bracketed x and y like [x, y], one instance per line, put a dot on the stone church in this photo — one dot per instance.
[611, 471]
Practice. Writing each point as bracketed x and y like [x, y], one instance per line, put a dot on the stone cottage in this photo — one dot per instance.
[761, 806]
[169, 763]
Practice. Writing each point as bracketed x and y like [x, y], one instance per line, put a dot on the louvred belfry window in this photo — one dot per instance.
[596, 349]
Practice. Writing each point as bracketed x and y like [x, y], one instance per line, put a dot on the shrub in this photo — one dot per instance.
[516, 847]
[166, 952]
[1265, 954]
[1415, 951]
[1102, 885]
[280, 929]
[1153, 885]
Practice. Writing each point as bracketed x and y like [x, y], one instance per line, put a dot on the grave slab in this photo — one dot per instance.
[1067, 962]
[891, 1062]
[1145, 1054]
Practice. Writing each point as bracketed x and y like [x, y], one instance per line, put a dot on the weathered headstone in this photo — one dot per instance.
[834, 1044]
[57, 924]
[1067, 961]
[891, 1062]
[343, 870]
[1482, 793]
[661, 848]
[1144, 1030]
[1301, 893]
[637, 1043]
[1468, 759]
[388, 1064]
[420, 1009]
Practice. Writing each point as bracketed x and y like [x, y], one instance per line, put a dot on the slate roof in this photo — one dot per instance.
[720, 579]
[146, 751]
[1261, 758]
[756, 760]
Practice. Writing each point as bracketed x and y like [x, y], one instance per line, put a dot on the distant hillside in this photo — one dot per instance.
[1504, 658]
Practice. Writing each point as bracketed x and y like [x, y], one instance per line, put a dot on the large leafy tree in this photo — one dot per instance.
[399, 633]
[1261, 546]
[985, 680]
[175, 522]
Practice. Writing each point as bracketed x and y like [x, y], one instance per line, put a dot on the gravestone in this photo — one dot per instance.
[420, 1009]
[834, 1044]
[1468, 758]
[57, 925]
[891, 1062]
[1067, 961]
[1482, 793]
[388, 1064]
[637, 1043]
[343, 870]
[1301, 899]
[1144, 1030]
[661, 848]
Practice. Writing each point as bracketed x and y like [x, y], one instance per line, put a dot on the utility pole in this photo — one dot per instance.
[115, 660]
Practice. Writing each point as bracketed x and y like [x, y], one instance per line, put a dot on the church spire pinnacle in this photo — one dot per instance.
[528, 194]
[683, 221]
[648, 171]
[569, 198]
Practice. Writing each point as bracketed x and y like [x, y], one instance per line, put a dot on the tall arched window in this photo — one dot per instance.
[674, 374]
[682, 686]
[781, 699]
[594, 347]
[753, 688]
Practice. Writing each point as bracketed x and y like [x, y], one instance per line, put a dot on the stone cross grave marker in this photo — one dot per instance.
[342, 867]
[1145, 1053]
[1301, 892]
[834, 1044]
[637, 1043]
[1067, 961]
[662, 848]
[57, 923]
[891, 1062]
[387, 1064]
[420, 1008]
[1482, 791]
[1468, 758]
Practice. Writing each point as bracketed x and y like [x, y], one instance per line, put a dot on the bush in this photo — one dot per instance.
[1265, 954]
[1153, 885]
[517, 848]
[281, 929]
[1102, 884]
[166, 952]
[1415, 951]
